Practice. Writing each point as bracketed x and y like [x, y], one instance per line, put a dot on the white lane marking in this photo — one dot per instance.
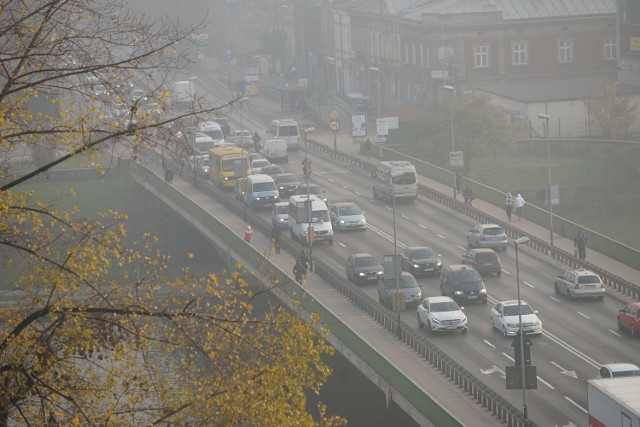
[508, 356]
[330, 180]
[493, 369]
[529, 284]
[563, 371]
[342, 244]
[546, 383]
[423, 226]
[388, 208]
[404, 216]
[358, 193]
[615, 333]
[506, 271]
[461, 247]
[555, 299]
[489, 344]
[441, 236]
[572, 350]
[576, 405]
[345, 187]
[583, 315]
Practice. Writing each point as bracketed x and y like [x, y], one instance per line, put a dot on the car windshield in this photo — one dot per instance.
[349, 210]
[422, 253]
[264, 186]
[588, 279]
[406, 282]
[232, 165]
[493, 231]
[282, 209]
[467, 276]
[444, 306]
[366, 262]
[320, 216]
[512, 310]
[287, 179]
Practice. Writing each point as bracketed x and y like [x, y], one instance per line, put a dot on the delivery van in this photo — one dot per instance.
[286, 129]
[299, 217]
[260, 191]
[275, 150]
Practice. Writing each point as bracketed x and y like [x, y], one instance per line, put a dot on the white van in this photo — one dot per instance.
[213, 130]
[260, 191]
[286, 129]
[274, 150]
[299, 219]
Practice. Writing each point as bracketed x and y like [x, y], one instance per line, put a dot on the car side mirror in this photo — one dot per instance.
[499, 314]
[535, 312]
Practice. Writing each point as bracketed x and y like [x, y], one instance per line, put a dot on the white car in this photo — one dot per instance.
[441, 314]
[258, 164]
[505, 318]
[242, 136]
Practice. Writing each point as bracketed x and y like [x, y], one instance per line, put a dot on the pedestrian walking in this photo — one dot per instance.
[248, 234]
[509, 201]
[468, 195]
[580, 243]
[275, 238]
[518, 204]
[256, 142]
[299, 271]
[367, 147]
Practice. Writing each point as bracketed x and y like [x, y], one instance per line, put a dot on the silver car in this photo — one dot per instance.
[487, 236]
[441, 314]
[505, 317]
[408, 287]
[280, 215]
[347, 216]
[580, 283]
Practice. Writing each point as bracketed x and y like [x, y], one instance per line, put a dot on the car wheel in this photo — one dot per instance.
[632, 331]
[493, 324]
[420, 325]
[331, 242]
[504, 331]
[463, 331]
[499, 273]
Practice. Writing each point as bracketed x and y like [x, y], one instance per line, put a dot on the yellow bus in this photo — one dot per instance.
[226, 165]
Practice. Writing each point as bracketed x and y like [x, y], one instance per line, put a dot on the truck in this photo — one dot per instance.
[614, 402]
[183, 95]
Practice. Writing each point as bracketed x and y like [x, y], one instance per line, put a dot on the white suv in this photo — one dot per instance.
[441, 314]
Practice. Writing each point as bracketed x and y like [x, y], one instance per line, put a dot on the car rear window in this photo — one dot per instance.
[486, 256]
[588, 279]
[493, 231]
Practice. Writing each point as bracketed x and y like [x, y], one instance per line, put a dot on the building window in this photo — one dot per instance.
[520, 53]
[481, 56]
[565, 51]
[609, 48]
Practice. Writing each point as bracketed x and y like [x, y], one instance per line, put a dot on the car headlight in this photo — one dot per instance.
[361, 274]
[483, 291]
[434, 320]
[380, 272]
[416, 266]
[438, 264]
[281, 219]
[463, 320]
[341, 221]
[364, 220]
[537, 323]
[226, 178]
[458, 293]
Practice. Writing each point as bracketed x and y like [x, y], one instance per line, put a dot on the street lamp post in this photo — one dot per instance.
[517, 242]
[614, 112]
[546, 117]
[453, 143]
[377, 70]
[308, 174]
[398, 271]
[241, 102]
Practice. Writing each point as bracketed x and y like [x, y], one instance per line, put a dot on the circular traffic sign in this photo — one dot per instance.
[334, 125]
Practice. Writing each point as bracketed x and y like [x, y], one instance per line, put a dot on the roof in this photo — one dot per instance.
[440, 299]
[555, 90]
[625, 390]
[509, 9]
[513, 302]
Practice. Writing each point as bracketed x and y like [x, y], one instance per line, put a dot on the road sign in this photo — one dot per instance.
[456, 160]
[334, 125]
[334, 115]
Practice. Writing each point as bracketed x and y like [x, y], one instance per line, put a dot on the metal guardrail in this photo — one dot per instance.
[609, 279]
[473, 386]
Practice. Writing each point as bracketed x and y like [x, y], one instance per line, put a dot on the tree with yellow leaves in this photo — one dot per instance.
[91, 330]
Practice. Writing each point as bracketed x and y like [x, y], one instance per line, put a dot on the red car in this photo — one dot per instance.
[629, 318]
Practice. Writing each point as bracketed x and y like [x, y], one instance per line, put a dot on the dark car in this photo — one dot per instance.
[363, 268]
[421, 260]
[484, 260]
[408, 287]
[288, 184]
[463, 284]
[272, 170]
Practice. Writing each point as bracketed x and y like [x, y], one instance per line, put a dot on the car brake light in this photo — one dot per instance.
[482, 237]
[475, 263]
[576, 286]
